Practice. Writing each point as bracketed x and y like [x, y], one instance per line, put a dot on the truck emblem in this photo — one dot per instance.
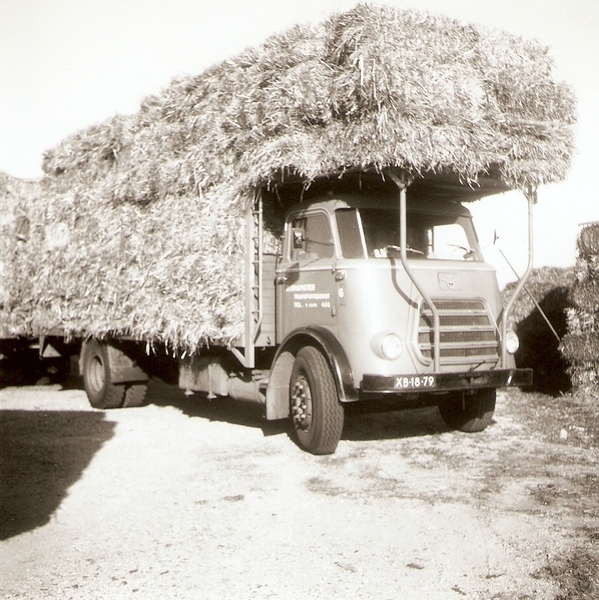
[450, 281]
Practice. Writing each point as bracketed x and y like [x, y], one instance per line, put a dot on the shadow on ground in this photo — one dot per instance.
[222, 409]
[42, 454]
[362, 423]
[368, 425]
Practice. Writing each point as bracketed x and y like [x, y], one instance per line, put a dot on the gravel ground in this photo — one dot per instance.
[190, 499]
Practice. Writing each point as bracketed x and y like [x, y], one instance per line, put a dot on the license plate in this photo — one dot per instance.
[414, 382]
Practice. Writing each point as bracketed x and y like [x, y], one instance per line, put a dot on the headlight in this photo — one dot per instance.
[391, 346]
[512, 343]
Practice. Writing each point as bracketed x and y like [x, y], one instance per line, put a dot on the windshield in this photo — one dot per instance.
[374, 233]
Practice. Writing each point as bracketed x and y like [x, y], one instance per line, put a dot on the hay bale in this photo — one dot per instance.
[152, 272]
[581, 348]
[580, 321]
[143, 215]
[16, 198]
[585, 296]
[547, 285]
[539, 348]
[587, 242]
[585, 378]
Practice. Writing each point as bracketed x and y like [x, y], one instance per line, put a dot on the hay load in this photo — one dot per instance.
[143, 215]
[16, 198]
[581, 346]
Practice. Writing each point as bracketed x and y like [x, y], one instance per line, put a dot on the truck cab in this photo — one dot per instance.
[398, 305]
[342, 271]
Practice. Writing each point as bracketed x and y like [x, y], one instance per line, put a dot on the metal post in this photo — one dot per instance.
[402, 184]
[531, 195]
[246, 355]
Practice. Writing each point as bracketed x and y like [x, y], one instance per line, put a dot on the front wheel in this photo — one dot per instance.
[316, 413]
[469, 412]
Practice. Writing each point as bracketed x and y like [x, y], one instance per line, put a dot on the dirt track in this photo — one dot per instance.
[195, 500]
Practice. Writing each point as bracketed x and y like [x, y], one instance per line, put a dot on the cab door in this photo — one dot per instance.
[306, 288]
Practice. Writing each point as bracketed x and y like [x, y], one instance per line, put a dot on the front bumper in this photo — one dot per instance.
[445, 382]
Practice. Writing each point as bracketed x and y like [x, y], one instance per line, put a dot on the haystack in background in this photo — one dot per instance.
[539, 317]
[581, 345]
[142, 216]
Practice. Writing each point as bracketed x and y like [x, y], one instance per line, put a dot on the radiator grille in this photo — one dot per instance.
[467, 332]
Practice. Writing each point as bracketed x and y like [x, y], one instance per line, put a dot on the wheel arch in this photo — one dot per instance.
[277, 392]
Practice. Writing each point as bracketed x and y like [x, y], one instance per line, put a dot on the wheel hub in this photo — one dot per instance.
[96, 374]
[301, 404]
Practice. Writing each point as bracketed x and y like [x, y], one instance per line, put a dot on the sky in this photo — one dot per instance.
[67, 64]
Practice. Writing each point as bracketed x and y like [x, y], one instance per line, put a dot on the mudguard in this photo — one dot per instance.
[277, 392]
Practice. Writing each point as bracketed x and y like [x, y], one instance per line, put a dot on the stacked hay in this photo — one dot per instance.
[16, 198]
[546, 298]
[543, 282]
[581, 345]
[142, 216]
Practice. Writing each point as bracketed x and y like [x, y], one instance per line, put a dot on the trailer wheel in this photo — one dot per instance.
[100, 390]
[316, 413]
[135, 394]
[469, 413]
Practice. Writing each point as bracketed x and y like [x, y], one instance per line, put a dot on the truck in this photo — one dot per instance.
[291, 227]
[378, 293]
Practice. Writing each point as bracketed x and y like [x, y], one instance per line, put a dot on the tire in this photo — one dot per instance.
[469, 412]
[135, 394]
[316, 413]
[100, 390]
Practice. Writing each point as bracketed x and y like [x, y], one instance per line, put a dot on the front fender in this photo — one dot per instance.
[277, 392]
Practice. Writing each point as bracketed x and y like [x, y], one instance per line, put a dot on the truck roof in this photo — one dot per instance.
[333, 202]
[446, 191]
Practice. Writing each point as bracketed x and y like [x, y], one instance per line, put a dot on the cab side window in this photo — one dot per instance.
[311, 238]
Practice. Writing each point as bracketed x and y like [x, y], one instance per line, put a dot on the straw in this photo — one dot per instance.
[139, 230]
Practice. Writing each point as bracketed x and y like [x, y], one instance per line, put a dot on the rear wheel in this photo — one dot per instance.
[316, 412]
[469, 412]
[135, 394]
[100, 390]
